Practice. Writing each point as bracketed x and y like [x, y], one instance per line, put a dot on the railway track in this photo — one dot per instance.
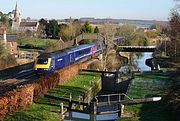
[24, 76]
[13, 81]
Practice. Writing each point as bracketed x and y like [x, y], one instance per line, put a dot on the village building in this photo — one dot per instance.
[21, 25]
[10, 41]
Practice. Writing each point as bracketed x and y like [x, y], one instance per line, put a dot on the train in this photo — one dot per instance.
[49, 62]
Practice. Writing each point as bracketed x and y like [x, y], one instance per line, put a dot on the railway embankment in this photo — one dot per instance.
[43, 109]
[21, 96]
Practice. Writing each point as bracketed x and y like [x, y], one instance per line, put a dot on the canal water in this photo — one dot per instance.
[75, 116]
[138, 61]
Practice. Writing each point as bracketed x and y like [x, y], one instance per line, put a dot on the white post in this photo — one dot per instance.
[61, 108]
[122, 109]
[5, 39]
[61, 112]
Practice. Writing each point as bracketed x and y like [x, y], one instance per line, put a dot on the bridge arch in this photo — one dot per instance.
[89, 36]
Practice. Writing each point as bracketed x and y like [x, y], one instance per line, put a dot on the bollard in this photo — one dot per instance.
[122, 109]
[61, 108]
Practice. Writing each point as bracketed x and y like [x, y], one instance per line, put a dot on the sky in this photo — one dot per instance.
[117, 9]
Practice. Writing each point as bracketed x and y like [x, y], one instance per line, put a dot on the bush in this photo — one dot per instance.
[7, 61]
[29, 46]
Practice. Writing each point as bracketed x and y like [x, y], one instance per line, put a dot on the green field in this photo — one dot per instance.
[147, 84]
[37, 42]
[42, 110]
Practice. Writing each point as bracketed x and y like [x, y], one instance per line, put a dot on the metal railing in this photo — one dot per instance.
[111, 98]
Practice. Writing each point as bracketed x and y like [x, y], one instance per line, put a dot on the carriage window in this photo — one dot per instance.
[86, 51]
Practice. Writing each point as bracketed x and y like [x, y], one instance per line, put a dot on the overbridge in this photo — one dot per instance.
[85, 36]
[136, 48]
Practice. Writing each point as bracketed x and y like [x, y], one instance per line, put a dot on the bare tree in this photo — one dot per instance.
[108, 30]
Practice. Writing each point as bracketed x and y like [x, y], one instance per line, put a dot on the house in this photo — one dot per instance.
[10, 41]
[31, 26]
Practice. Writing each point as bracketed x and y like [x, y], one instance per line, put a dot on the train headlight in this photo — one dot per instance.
[46, 69]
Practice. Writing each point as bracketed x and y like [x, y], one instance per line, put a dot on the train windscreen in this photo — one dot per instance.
[42, 61]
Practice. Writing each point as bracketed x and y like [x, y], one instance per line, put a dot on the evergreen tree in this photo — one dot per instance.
[42, 22]
[96, 30]
[86, 28]
[52, 29]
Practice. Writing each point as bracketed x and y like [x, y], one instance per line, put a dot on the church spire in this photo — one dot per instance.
[17, 13]
[17, 19]
[16, 8]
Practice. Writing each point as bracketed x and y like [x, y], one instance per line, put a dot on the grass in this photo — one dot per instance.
[36, 112]
[36, 42]
[147, 85]
[76, 87]
[41, 111]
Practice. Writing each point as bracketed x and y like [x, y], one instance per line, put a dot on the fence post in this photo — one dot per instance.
[121, 109]
[93, 108]
[70, 101]
[80, 100]
[109, 101]
[61, 111]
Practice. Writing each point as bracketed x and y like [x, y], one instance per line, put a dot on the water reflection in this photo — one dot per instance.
[139, 59]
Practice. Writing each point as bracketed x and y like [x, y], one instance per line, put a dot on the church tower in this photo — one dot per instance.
[17, 19]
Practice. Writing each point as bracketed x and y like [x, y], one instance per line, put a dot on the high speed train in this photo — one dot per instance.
[48, 62]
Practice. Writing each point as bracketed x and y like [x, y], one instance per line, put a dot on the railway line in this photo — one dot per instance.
[13, 81]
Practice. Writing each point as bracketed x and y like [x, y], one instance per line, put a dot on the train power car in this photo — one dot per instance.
[48, 62]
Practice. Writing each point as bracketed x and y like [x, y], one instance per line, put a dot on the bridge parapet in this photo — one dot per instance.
[136, 48]
[89, 36]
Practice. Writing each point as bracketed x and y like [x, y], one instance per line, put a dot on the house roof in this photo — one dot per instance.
[10, 37]
[28, 24]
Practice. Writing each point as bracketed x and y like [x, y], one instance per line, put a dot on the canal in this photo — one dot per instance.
[138, 62]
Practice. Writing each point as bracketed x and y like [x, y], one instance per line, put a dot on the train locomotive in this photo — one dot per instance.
[49, 62]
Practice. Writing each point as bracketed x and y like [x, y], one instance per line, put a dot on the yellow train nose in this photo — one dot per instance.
[43, 65]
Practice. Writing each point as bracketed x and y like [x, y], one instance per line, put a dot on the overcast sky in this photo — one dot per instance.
[122, 9]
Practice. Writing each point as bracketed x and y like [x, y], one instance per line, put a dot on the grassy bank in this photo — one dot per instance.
[147, 84]
[76, 87]
[42, 111]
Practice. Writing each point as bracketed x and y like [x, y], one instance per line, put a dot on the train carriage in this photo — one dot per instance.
[48, 62]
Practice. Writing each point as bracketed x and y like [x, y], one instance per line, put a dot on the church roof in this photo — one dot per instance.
[28, 24]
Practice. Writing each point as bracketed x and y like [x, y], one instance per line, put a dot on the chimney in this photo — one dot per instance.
[5, 39]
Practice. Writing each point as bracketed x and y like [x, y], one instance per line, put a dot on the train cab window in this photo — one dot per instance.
[42, 61]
